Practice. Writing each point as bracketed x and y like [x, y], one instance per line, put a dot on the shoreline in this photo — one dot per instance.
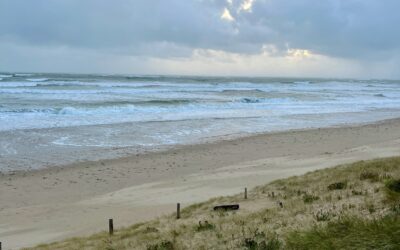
[165, 148]
[51, 204]
[35, 149]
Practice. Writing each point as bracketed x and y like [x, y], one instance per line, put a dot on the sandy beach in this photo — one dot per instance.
[123, 109]
[56, 203]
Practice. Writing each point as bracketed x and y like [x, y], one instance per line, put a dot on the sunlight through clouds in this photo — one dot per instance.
[246, 5]
[297, 63]
[226, 15]
[299, 53]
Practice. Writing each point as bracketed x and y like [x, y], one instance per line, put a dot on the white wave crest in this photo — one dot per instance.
[37, 79]
[23, 74]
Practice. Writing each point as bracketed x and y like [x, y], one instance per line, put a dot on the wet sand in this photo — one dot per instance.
[52, 204]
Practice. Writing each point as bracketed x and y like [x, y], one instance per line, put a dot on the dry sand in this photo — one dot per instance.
[52, 204]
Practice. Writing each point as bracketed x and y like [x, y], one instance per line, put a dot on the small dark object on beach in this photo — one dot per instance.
[227, 207]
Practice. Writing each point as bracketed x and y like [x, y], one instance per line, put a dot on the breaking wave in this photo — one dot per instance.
[37, 79]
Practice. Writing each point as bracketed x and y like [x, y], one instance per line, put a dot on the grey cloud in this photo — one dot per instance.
[111, 24]
[339, 28]
[347, 28]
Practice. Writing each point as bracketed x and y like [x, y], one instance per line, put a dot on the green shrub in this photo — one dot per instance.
[252, 244]
[150, 230]
[337, 186]
[163, 245]
[205, 226]
[367, 175]
[393, 185]
[356, 192]
[396, 209]
[349, 233]
[309, 198]
[323, 215]
[393, 191]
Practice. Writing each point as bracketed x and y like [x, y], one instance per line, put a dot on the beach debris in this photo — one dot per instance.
[227, 207]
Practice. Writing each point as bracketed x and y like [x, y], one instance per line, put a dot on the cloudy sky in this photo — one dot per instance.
[320, 38]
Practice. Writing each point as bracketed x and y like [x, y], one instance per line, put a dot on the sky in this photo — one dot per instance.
[293, 38]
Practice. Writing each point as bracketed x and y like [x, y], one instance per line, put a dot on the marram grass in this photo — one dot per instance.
[353, 206]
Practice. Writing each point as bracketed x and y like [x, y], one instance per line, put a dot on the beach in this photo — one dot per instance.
[54, 203]
[168, 125]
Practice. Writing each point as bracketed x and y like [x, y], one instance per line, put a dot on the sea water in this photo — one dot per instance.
[55, 119]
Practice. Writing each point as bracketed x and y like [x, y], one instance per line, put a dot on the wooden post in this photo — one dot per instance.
[273, 194]
[245, 193]
[111, 226]
[0, 245]
[178, 210]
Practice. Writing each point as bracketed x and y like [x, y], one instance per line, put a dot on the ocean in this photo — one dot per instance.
[48, 120]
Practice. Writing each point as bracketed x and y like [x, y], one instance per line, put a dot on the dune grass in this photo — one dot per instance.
[353, 206]
[349, 233]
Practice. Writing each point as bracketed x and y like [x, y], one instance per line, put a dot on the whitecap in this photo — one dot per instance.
[6, 76]
[302, 82]
[17, 84]
[23, 74]
[37, 79]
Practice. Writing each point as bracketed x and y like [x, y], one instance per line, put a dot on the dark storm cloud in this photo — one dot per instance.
[356, 29]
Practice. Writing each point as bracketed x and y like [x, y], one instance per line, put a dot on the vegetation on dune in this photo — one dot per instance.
[354, 206]
[349, 233]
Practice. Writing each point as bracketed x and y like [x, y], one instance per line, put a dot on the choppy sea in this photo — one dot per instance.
[54, 119]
